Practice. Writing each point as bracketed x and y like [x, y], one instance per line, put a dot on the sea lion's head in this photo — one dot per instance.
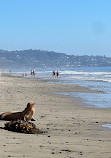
[30, 105]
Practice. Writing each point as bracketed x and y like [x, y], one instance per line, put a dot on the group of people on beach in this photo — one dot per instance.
[55, 74]
[24, 74]
[32, 73]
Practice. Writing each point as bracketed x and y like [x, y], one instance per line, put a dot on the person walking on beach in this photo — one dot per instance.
[32, 73]
[57, 73]
[53, 74]
[26, 74]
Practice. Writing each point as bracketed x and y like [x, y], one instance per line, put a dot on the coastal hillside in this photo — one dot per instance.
[48, 59]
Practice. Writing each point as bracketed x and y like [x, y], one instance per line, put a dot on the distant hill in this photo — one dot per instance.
[48, 59]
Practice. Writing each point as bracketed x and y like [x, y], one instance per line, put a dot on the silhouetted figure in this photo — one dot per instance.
[57, 73]
[53, 74]
[33, 73]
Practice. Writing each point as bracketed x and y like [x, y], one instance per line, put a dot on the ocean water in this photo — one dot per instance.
[95, 78]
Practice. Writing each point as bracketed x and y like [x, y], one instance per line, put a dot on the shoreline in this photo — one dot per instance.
[72, 130]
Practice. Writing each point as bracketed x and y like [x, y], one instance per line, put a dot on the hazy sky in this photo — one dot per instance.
[79, 27]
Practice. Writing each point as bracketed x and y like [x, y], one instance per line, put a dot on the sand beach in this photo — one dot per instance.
[71, 129]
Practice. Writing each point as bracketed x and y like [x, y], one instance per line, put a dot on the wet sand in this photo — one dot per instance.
[72, 130]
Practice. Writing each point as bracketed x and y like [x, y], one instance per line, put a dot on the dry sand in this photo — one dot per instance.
[71, 129]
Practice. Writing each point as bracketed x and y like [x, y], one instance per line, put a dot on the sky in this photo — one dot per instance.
[73, 27]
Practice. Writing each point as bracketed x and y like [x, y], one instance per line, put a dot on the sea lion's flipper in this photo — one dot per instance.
[33, 119]
[2, 116]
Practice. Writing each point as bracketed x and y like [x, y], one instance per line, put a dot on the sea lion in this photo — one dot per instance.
[24, 115]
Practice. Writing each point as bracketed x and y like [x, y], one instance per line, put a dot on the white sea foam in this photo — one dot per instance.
[89, 76]
[107, 126]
